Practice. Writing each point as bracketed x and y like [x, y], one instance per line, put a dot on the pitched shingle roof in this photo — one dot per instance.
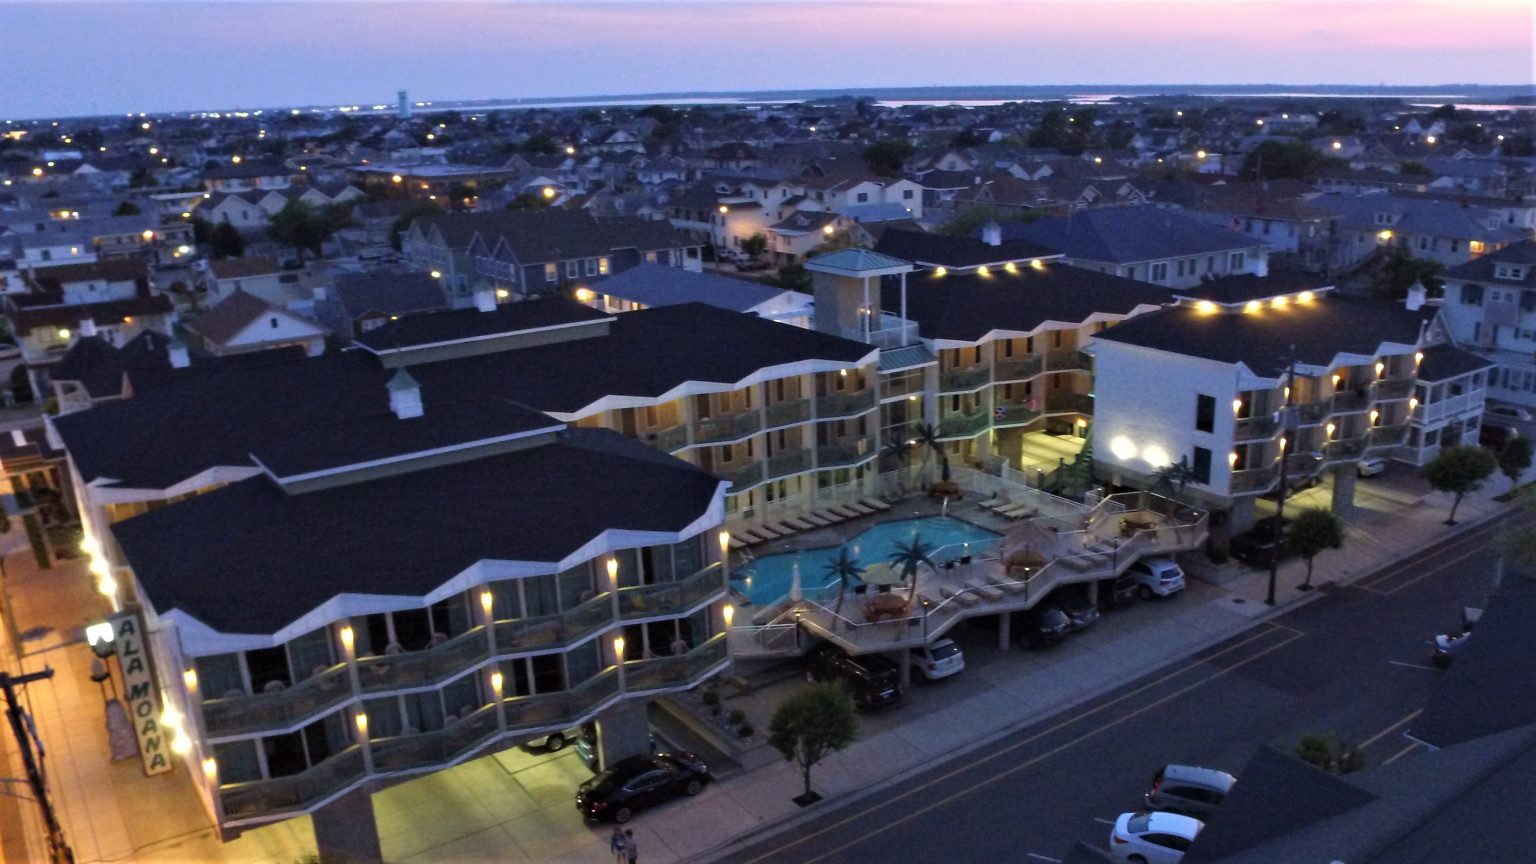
[1124, 235]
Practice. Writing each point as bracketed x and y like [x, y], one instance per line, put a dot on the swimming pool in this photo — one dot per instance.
[768, 578]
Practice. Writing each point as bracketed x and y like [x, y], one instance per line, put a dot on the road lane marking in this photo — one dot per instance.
[1105, 821]
[1220, 672]
[1043, 857]
[1412, 665]
[1383, 733]
[1400, 754]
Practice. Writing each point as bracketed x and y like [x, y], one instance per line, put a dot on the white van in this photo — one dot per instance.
[1157, 576]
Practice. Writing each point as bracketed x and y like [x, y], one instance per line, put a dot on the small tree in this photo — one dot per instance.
[794, 277]
[1329, 755]
[812, 723]
[127, 208]
[755, 245]
[226, 241]
[886, 156]
[1515, 458]
[1315, 530]
[1459, 470]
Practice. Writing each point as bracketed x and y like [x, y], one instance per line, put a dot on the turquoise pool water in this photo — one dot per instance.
[768, 578]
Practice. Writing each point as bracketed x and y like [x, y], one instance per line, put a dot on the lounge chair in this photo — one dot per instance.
[832, 516]
[800, 523]
[845, 512]
[736, 541]
[1012, 586]
[1013, 511]
[964, 598]
[995, 501]
[816, 519]
[765, 532]
[986, 591]
[875, 504]
[783, 528]
[1023, 513]
[859, 508]
[1003, 503]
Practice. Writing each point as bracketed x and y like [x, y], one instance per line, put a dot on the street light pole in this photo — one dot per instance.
[1288, 426]
[58, 849]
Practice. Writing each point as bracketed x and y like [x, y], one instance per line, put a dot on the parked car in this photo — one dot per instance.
[939, 660]
[1256, 547]
[1041, 627]
[1447, 648]
[556, 741]
[639, 782]
[1189, 790]
[752, 265]
[1153, 838]
[1157, 576]
[1073, 600]
[1495, 436]
[1117, 592]
[873, 680]
[1370, 466]
[1508, 412]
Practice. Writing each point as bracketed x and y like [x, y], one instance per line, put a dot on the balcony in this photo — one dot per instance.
[1393, 388]
[1310, 413]
[1346, 401]
[563, 708]
[421, 668]
[458, 738]
[1014, 415]
[671, 598]
[1018, 369]
[667, 440]
[969, 378]
[664, 673]
[554, 631]
[1251, 428]
[788, 462]
[741, 478]
[1386, 436]
[1344, 449]
[1253, 480]
[1061, 361]
[244, 714]
[726, 428]
[1061, 401]
[845, 452]
[844, 404]
[963, 425]
[786, 413]
[296, 791]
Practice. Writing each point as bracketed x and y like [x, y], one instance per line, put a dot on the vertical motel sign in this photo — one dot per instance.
[140, 693]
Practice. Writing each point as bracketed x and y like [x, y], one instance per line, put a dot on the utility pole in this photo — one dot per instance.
[58, 849]
[1287, 443]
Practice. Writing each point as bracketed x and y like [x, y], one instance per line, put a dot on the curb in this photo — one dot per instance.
[718, 853]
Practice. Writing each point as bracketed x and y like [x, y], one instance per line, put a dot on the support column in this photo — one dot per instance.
[1093, 593]
[904, 663]
[345, 830]
[1344, 477]
[622, 731]
[1004, 631]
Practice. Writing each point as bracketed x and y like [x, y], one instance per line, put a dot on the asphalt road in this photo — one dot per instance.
[1352, 664]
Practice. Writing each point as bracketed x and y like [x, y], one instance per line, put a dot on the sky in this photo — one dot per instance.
[68, 58]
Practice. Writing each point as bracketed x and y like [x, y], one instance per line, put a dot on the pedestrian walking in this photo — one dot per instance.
[616, 845]
[631, 847]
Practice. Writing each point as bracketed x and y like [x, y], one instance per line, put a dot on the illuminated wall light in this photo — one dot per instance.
[1232, 459]
[1278, 302]
[729, 612]
[189, 678]
[1330, 429]
[940, 271]
[502, 293]
[1206, 307]
[210, 768]
[397, 179]
[487, 602]
[1156, 456]
[1380, 368]
[724, 209]
[983, 271]
[585, 295]
[1304, 297]
[437, 274]
[170, 717]
[1237, 406]
[1375, 415]
[549, 191]
[618, 649]
[1011, 267]
[1283, 442]
[1384, 235]
[181, 745]
[1418, 357]
[107, 586]
[1252, 306]
[347, 638]
[1336, 379]
[496, 681]
[1413, 402]
[1338, 145]
[827, 230]
[1200, 154]
[362, 722]
[1037, 264]
[1123, 448]
[613, 571]
[1286, 392]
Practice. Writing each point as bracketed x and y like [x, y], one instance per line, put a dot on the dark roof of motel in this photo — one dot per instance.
[663, 285]
[1320, 331]
[965, 308]
[1442, 362]
[1125, 235]
[951, 251]
[431, 328]
[1243, 287]
[294, 404]
[279, 556]
[104, 313]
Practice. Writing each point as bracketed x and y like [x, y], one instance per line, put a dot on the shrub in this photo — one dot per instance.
[737, 716]
[745, 730]
[711, 696]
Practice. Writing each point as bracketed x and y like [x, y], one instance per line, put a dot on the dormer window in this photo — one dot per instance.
[1513, 272]
[1384, 219]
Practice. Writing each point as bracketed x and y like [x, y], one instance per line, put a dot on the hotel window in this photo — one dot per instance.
[572, 269]
[1471, 295]
[551, 272]
[602, 266]
[1235, 261]
[1205, 413]
[1159, 271]
[591, 266]
[1202, 465]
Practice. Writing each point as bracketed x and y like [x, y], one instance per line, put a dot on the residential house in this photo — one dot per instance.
[1490, 309]
[243, 323]
[358, 302]
[254, 274]
[1441, 231]
[647, 285]
[248, 175]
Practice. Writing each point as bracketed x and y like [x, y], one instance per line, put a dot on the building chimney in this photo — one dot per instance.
[485, 300]
[1416, 297]
[318, 292]
[176, 350]
[992, 234]
[404, 395]
[87, 327]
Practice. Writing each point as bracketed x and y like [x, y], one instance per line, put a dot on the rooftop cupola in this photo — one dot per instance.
[176, 351]
[992, 234]
[404, 395]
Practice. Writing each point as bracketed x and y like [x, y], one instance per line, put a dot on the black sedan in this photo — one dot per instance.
[633, 784]
[1257, 546]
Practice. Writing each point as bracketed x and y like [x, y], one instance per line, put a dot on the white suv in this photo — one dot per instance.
[1157, 577]
[939, 660]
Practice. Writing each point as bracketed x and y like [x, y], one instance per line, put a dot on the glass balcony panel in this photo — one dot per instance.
[964, 379]
[421, 668]
[458, 737]
[671, 598]
[238, 715]
[726, 428]
[788, 462]
[846, 452]
[845, 404]
[294, 792]
[785, 413]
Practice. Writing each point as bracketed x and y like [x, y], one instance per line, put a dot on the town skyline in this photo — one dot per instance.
[339, 53]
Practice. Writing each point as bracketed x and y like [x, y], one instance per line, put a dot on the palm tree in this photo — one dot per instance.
[1172, 479]
[929, 436]
[846, 569]
[901, 451]
[907, 557]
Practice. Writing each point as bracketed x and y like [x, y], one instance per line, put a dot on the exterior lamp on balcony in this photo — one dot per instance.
[549, 191]
[1205, 307]
[397, 179]
[618, 651]
[1336, 379]
[1037, 264]
[100, 636]
[1375, 416]
[1011, 267]
[1232, 459]
[1418, 357]
[189, 678]
[983, 271]
[584, 295]
[724, 209]
[1380, 368]
[496, 681]
[827, 230]
[1252, 306]
[1237, 405]
[181, 745]
[1304, 297]
[1330, 429]
[729, 613]
[940, 271]
[362, 723]
[437, 274]
[1278, 302]
[1200, 154]
[210, 769]
[613, 572]
[347, 639]
[170, 718]
[1283, 442]
[487, 602]
[1413, 403]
